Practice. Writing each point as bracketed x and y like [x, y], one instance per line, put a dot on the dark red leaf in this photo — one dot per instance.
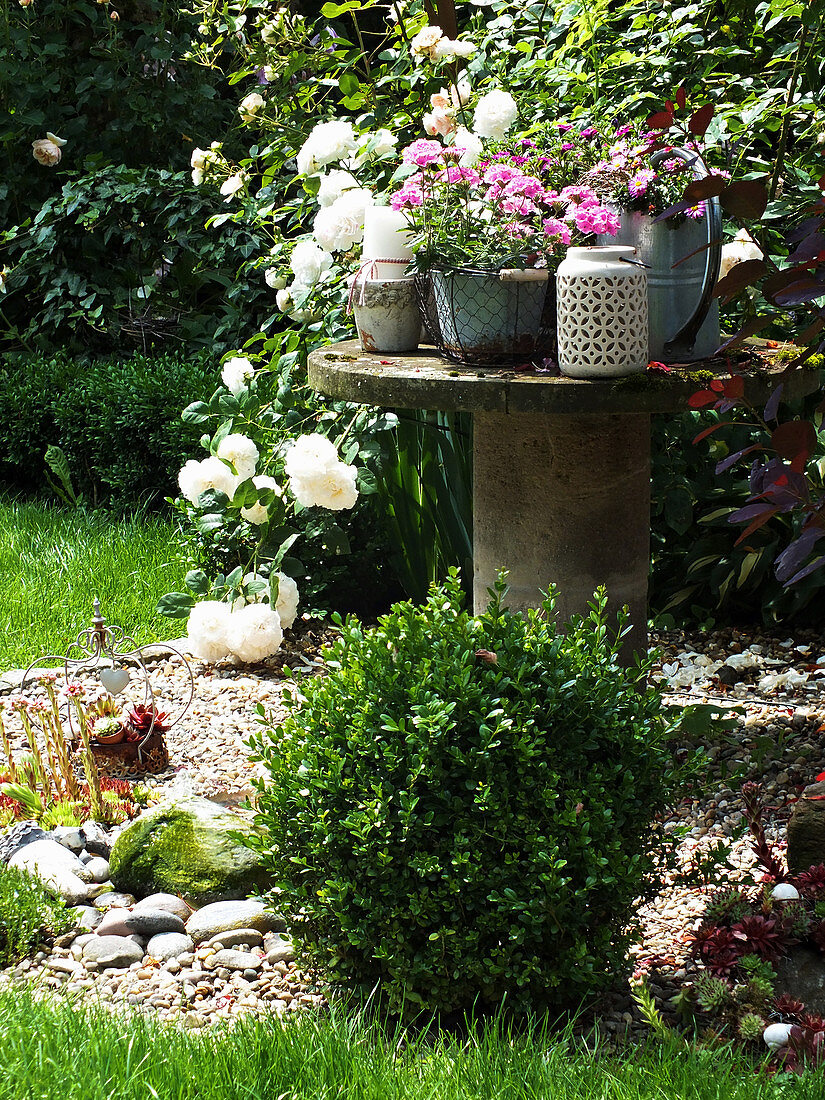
[670, 107]
[794, 437]
[705, 188]
[681, 97]
[731, 460]
[821, 183]
[757, 523]
[700, 120]
[745, 199]
[809, 225]
[717, 385]
[701, 398]
[806, 289]
[708, 431]
[772, 404]
[660, 120]
[808, 248]
[812, 567]
[734, 387]
[779, 281]
[741, 275]
[813, 329]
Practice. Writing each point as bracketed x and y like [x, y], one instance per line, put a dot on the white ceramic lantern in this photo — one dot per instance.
[602, 313]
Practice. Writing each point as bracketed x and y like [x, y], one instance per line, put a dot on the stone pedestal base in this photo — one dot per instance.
[564, 500]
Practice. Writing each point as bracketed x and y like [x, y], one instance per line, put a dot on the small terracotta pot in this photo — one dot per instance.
[109, 738]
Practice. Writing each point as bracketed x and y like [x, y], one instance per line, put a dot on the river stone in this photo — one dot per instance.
[152, 922]
[56, 867]
[114, 900]
[169, 902]
[224, 916]
[86, 916]
[96, 839]
[18, 836]
[233, 960]
[806, 830]
[168, 945]
[69, 837]
[98, 868]
[113, 923]
[233, 937]
[279, 950]
[112, 951]
[186, 848]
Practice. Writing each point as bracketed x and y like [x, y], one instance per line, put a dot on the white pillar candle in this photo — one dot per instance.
[386, 237]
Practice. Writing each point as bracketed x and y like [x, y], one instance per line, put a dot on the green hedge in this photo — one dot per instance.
[117, 422]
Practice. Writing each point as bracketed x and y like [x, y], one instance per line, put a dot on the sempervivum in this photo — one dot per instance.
[140, 719]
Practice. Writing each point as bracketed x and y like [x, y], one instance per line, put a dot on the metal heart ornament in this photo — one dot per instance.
[114, 679]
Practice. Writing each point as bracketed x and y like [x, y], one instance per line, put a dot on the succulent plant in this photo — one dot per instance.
[140, 719]
[751, 1027]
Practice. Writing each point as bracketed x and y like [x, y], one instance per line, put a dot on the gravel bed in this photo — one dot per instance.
[775, 680]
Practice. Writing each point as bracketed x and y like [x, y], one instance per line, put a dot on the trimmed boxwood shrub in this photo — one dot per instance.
[117, 422]
[463, 811]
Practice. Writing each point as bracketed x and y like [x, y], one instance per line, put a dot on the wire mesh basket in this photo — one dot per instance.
[479, 317]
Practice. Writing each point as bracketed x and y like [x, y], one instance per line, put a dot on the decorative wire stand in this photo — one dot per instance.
[478, 317]
[101, 648]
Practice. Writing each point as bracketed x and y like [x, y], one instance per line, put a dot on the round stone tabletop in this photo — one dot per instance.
[423, 380]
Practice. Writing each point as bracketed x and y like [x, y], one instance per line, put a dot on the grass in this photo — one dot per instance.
[54, 561]
[52, 1050]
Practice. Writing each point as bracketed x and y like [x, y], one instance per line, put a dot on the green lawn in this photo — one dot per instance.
[54, 561]
[50, 1051]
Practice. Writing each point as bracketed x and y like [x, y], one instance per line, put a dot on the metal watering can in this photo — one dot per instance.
[684, 316]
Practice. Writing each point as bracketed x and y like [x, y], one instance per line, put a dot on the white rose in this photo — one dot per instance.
[310, 454]
[384, 141]
[46, 152]
[206, 630]
[250, 105]
[241, 452]
[440, 121]
[287, 603]
[309, 262]
[231, 186]
[283, 300]
[236, 372]
[198, 176]
[4, 278]
[333, 488]
[333, 186]
[426, 40]
[199, 159]
[328, 142]
[340, 226]
[470, 145]
[258, 513]
[273, 279]
[210, 473]
[461, 93]
[254, 632]
[448, 50]
[495, 113]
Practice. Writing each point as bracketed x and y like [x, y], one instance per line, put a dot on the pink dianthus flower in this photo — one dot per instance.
[422, 152]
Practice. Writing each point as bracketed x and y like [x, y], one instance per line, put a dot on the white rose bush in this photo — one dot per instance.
[283, 462]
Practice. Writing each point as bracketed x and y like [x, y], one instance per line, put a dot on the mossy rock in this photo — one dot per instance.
[189, 848]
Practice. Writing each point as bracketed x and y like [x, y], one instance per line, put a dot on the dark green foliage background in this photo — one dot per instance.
[118, 423]
[460, 831]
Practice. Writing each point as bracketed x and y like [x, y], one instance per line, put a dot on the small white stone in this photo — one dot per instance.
[783, 891]
[776, 1035]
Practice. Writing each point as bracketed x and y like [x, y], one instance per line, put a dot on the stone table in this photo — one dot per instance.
[561, 467]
